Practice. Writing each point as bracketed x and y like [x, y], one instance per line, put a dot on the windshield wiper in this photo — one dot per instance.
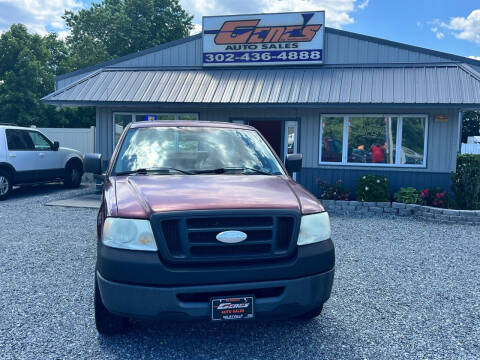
[144, 171]
[227, 169]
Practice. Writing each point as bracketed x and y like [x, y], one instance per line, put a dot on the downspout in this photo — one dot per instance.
[459, 135]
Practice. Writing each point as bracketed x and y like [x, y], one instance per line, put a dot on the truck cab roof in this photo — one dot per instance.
[184, 123]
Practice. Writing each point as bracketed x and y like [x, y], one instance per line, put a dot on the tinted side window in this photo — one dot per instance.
[18, 140]
[40, 142]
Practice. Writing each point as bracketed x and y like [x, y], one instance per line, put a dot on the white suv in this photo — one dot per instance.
[28, 156]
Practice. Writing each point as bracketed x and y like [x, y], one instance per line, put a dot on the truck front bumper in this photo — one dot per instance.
[274, 298]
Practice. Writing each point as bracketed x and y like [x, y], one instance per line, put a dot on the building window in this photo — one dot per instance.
[332, 139]
[121, 120]
[374, 140]
[413, 140]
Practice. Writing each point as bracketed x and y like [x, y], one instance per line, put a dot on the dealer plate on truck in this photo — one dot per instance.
[234, 308]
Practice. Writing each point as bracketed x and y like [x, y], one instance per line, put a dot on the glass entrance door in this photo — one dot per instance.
[290, 145]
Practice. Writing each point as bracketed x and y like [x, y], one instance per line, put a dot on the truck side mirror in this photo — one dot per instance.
[56, 145]
[92, 163]
[293, 163]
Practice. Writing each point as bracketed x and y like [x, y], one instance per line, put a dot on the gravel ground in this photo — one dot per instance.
[404, 289]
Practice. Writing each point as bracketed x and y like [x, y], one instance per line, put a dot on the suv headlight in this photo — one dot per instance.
[314, 228]
[131, 234]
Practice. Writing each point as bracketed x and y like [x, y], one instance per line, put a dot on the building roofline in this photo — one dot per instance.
[206, 106]
[110, 63]
[378, 40]
[129, 56]
[289, 66]
[463, 66]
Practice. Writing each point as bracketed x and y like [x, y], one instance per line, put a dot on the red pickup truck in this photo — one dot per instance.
[201, 220]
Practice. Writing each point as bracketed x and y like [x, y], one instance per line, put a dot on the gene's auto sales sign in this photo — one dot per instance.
[270, 39]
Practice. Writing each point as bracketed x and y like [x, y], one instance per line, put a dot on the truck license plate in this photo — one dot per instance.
[234, 308]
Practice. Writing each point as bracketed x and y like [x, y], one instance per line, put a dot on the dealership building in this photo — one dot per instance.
[351, 104]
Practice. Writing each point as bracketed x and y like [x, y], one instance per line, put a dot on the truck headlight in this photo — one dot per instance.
[131, 234]
[314, 228]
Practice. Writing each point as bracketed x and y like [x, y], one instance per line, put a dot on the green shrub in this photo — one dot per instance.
[408, 195]
[372, 188]
[333, 192]
[466, 182]
[435, 196]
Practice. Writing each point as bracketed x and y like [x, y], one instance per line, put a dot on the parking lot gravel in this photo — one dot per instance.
[404, 289]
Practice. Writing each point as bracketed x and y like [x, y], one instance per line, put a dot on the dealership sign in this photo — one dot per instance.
[264, 39]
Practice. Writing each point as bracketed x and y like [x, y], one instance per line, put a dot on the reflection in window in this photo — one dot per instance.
[40, 142]
[291, 140]
[187, 117]
[372, 140]
[194, 149]
[413, 140]
[120, 121]
[332, 139]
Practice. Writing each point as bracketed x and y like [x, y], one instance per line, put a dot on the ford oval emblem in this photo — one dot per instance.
[231, 236]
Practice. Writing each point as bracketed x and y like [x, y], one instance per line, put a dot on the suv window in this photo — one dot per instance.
[18, 140]
[40, 142]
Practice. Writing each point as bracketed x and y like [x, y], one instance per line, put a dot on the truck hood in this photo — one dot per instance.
[140, 196]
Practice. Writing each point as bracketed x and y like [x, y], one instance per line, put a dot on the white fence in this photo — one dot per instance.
[82, 140]
[471, 149]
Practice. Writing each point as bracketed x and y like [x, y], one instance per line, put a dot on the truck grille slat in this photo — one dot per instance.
[190, 238]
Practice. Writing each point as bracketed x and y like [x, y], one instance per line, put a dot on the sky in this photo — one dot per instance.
[444, 25]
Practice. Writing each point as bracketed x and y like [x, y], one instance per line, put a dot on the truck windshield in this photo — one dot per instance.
[195, 150]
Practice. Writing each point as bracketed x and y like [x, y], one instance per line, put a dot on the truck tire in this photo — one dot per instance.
[106, 322]
[312, 314]
[73, 175]
[5, 184]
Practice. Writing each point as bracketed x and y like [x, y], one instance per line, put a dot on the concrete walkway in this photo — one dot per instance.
[91, 201]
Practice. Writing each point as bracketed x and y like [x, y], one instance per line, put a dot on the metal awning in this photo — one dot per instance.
[450, 83]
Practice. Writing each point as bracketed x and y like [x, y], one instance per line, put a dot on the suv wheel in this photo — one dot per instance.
[312, 314]
[5, 184]
[73, 176]
[106, 322]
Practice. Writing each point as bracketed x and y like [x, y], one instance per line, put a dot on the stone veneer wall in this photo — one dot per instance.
[427, 212]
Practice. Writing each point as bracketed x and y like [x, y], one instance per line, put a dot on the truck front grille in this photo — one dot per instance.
[190, 238]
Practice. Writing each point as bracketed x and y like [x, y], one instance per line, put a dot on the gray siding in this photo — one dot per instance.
[104, 132]
[344, 49]
[60, 84]
[186, 54]
[309, 178]
[443, 138]
[341, 48]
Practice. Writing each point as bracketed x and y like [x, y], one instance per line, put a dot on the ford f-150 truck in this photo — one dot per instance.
[201, 220]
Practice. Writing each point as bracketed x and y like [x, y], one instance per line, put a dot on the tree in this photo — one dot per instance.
[471, 125]
[114, 28]
[111, 28]
[28, 65]
[24, 70]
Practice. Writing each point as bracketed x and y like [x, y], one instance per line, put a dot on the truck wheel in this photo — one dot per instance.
[311, 314]
[106, 322]
[73, 175]
[5, 184]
